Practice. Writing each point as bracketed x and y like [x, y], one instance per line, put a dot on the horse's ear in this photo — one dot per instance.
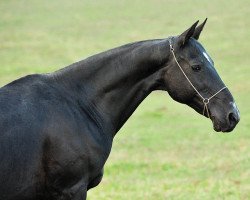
[198, 30]
[186, 35]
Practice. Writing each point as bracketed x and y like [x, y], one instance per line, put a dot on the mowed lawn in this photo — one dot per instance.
[165, 150]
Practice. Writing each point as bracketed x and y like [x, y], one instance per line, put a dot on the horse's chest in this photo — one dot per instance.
[75, 157]
[98, 152]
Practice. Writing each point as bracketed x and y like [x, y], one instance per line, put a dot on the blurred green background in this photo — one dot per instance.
[165, 150]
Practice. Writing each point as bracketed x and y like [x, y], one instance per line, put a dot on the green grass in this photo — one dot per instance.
[165, 150]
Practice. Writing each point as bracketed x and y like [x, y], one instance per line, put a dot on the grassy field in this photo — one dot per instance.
[165, 150]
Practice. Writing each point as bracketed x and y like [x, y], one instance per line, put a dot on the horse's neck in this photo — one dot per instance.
[115, 82]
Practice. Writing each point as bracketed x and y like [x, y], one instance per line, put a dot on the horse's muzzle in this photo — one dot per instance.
[233, 118]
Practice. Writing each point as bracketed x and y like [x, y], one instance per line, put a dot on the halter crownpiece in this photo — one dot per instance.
[204, 100]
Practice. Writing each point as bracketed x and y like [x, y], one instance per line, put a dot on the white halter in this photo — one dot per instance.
[205, 100]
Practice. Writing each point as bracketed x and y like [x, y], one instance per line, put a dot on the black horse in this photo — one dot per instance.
[56, 130]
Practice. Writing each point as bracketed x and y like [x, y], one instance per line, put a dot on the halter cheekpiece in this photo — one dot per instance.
[204, 100]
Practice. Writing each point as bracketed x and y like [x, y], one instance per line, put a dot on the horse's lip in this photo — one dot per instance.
[218, 128]
[227, 130]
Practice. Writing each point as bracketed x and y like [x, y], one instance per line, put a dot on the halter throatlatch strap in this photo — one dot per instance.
[204, 100]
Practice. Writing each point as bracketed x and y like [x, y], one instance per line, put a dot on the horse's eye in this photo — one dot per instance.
[196, 68]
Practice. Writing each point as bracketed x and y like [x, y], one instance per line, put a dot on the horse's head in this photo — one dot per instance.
[192, 79]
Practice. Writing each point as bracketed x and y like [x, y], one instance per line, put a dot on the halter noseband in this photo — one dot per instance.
[204, 100]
